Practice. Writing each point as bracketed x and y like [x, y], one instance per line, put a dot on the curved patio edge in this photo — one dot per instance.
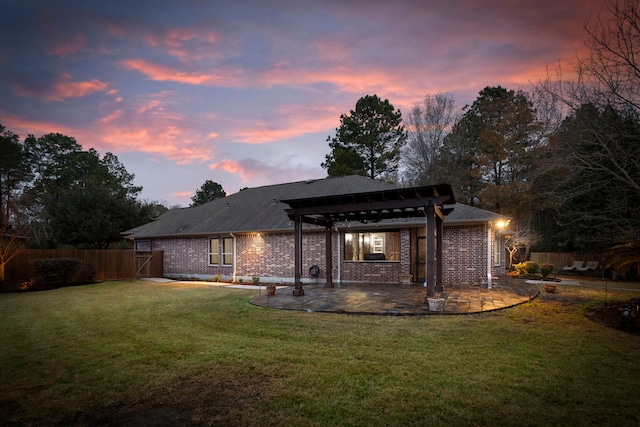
[398, 300]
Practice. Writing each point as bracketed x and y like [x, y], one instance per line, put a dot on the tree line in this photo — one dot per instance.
[563, 159]
[55, 194]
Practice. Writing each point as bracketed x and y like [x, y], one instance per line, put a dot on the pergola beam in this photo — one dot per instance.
[399, 203]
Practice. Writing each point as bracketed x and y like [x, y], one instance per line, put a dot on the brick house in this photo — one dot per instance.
[249, 234]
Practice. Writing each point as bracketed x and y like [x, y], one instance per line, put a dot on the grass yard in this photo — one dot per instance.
[141, 353]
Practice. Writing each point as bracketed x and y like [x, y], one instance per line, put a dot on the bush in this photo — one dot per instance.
[546, 269]
[56, 270]
[527, 268]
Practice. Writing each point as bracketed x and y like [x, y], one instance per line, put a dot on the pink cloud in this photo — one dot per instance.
[258, 172]
[24, 127]
[111, 117]
[183, 43]
[244, 171]
[169, 141]
[162, 73]
[289, 121]
[63, 88]
[182, 194]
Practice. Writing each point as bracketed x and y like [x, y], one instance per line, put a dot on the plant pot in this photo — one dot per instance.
[549, 288]
[435, 304]
[271, 289]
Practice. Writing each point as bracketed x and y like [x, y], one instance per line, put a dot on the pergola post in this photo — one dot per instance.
[329, 255]
[430, 273]
[297, 229]
[439, 230]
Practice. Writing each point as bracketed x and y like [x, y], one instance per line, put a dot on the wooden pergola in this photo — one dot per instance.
[427, 201]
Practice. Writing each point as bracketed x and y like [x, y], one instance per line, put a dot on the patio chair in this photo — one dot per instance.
[589, 267]
[576, 266]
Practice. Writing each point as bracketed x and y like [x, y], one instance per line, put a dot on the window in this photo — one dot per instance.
[143, 245]
[221, 249]
[227, 251]
[498, 248]
[214, 251]
[380, 246]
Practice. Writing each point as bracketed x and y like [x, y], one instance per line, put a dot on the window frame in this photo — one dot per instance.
[227, 253]
[211, 251]
[498, 249]
[224, 251]
[371, 242]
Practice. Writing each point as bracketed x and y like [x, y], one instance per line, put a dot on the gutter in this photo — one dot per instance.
[339, 255]
[489, 260]
[235, 260]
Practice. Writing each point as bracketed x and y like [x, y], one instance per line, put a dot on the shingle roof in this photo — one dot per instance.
[259, 209]
[250, 210]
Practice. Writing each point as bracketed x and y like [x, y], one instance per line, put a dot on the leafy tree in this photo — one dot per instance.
[458, 165]
[152, 209]
[207, 192]
[492, 147]
[79, 198]
[368, 141]
[14, 176]
[428, 124]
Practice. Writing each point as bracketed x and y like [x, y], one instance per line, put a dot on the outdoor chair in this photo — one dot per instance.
[589, 267]
[576, 266]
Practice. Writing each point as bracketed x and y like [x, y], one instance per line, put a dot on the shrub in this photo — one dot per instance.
[255, 280]
[546, 269]
[527, 268]
[56, 270]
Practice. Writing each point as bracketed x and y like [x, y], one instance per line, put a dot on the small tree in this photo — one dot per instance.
[517, 240]
[207, 192]
[368, 141]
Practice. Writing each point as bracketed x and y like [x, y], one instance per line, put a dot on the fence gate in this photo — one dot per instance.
[143, 263]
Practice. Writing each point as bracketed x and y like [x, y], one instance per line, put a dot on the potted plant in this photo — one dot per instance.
[545, 270]
[435, 303]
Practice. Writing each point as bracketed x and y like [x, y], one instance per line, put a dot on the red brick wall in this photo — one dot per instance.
[464, 254]
[188, 257]
[272, 256]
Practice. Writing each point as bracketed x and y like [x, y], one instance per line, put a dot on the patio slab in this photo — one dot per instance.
[398, 299]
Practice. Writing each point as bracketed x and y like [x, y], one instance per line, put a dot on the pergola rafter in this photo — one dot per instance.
[426, 201]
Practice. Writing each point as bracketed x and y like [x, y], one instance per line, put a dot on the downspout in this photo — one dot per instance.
[339, 255]
[235, 263]
[489, 256]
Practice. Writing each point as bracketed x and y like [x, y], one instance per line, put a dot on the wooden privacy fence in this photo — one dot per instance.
[560, 259]
[96, 264]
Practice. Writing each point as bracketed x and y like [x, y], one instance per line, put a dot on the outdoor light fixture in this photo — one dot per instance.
[502, 223]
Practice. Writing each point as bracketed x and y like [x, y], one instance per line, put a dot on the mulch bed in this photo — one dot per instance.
[621, 315]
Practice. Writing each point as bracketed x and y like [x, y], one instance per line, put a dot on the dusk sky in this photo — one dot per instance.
[245, 93]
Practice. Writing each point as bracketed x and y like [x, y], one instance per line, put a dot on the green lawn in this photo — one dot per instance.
[137, 353]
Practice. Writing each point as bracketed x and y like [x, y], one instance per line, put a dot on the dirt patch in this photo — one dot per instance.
[204, 399]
